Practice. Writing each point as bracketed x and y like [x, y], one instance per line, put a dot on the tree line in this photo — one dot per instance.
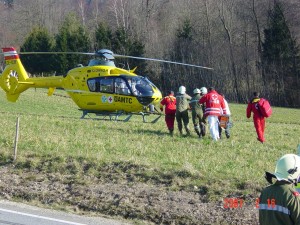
[72, 38]
[251, 45]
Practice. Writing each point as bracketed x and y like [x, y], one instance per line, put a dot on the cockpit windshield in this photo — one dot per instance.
[140, 86]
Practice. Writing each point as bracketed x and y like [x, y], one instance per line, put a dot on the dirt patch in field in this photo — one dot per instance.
[121, 195]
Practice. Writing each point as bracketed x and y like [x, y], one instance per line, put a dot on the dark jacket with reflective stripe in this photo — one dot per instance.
[279, 204]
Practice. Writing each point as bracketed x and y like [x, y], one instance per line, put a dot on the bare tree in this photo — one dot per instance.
[81, 6]
[225, 15]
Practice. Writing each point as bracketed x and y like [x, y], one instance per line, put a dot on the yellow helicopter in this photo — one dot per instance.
[100, 88]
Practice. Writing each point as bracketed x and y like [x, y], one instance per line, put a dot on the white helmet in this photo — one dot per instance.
[203, 90]
[288, 168]
[196, 91]
[182, 90]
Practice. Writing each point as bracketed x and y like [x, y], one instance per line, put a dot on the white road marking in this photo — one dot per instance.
[41, 217]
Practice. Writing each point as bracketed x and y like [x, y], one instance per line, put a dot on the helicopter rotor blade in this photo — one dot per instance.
[104, 54]
[56, 53]
[160, 60]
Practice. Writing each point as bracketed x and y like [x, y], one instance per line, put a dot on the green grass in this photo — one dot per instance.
[53, 138]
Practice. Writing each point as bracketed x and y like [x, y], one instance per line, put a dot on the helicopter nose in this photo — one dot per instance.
[145, 101]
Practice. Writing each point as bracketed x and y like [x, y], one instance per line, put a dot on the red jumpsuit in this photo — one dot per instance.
[258, 119]
[170, 109]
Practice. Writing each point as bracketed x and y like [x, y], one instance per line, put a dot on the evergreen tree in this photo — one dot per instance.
[184, 37]
[121, 42]
[182, 51]
[71, 38]
[280, 58]
[185, 32]
[124, 44]
[103, 36]
[39, 40]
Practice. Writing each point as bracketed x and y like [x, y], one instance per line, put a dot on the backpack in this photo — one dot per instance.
[264, 107]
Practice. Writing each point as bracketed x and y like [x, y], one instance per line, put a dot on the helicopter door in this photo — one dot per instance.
[105, 87]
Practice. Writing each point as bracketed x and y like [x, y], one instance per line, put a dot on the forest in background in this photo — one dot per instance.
[251, 45]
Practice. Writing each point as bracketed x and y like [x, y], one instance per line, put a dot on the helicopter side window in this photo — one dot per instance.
[106, 85]
[92, 84]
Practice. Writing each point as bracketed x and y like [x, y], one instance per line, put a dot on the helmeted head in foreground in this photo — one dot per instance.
[182, 90]
[288, 168]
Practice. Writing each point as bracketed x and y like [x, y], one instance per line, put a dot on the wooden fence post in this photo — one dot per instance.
[16, 138]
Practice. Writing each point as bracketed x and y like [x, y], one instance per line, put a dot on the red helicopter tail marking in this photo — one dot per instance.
[10, 53]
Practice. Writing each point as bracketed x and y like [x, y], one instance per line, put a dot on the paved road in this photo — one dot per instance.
[20, 214]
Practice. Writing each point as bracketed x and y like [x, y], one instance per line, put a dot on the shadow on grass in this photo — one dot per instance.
[147, 132]
[6, 159]
[165, 132]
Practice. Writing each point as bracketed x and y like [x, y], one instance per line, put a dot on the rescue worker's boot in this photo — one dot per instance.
[227, 133]
[188, 133]
[180, 131]
[180, 128]
[203, 129]
[197, 129]
[220, 132]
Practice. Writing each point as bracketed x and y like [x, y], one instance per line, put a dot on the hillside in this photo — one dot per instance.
[135, 170]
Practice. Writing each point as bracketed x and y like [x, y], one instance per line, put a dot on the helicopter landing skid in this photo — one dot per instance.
[144, 114]
[114, 116]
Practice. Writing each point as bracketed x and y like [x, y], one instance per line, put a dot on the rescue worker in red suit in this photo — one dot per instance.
[170, 109]
[258, 119]
[214, 106]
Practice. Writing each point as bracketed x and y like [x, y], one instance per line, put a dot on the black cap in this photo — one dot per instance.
[256, 94]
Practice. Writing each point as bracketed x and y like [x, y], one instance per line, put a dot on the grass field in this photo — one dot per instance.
[52, 134]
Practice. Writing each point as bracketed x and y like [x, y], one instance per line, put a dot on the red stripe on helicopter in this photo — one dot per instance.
[9, 49]
[10, 53]
[11, 57]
